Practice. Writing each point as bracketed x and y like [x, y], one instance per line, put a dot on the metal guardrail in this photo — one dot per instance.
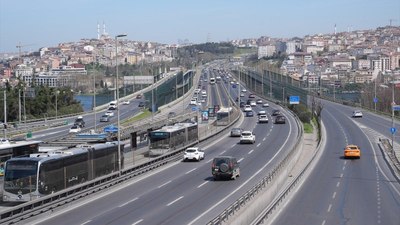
[257, 188]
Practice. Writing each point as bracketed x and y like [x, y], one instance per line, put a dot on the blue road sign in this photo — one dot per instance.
[194, 108]
[396, 107]
[294, 99]
[375, 100]
[111, 129]
[234, 86]
[393, 130]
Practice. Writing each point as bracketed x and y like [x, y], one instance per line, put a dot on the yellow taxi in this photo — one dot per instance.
[352, 151]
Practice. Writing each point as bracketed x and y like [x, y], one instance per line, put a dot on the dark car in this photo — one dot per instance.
[236, 132]
[276, 112]
[280, 119]
[242, 104]
[139, 96]
[171, 115]
[249, 114]
[79, 122]
[141, 105]
[225, 167]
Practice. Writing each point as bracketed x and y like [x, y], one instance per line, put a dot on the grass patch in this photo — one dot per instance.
[144, 114]
[308, 128]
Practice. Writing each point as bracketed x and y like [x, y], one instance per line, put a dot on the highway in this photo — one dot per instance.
[346, 191]
[184, 192]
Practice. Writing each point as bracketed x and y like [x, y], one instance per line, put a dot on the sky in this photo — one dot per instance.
[34, 24]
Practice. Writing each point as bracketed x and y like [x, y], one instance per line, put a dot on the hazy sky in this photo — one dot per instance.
[45, 23]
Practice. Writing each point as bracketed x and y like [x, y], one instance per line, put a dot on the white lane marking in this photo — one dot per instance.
[245, 182]
[174, 201]
[337, 184]
[250, 151]
[190, 170]
[205, 182]
[329, 207]
[137, 222]
[86, 222]
[233, 145]
[341, 175]
[264, 138]
[345, 162]
[334, 195]
[240, 159]
[258, 144]
[323, 222]
[343, 167]
[126, 203]
[209, 160]
[162, 185]
[222, 152]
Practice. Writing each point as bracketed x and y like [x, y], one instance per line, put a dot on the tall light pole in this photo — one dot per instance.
[94, 100]
[116, 84]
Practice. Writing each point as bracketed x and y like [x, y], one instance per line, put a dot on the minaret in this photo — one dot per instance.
[104, 28]
[98, 31]
[335, 28]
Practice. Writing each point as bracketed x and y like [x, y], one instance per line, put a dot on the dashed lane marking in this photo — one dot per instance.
[174, 201]
[137, 222]
[126, 203]
[162, 185]
[190, 170]
[250, 152]
[205, 182]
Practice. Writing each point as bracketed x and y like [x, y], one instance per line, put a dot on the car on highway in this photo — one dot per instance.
[262, 112]
[112, 105]
[139, 96]
[104, 118]
[236, 132]
[242, 104]
[193, 102]
[247, 137]
[352, 151]
[141, 104]
[193, 153]
[253, 103]
[126, 102]
[225, 167]
[252, 95]
[259, 101]
[262, 119]
[244, 90]
[276, 112]
[249, 114]
[109, 113]
[247, 108]
[171, 115]
[75, 129]
[357, 114]
[79, 121]
[241, 94]
[265, 105]
[280, 119]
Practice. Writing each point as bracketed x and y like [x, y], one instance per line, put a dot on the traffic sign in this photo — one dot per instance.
[396, 107]
[294, 100]
[234, 86]
[393, 130]
[375, 100]
[111, 129]
[194, 108]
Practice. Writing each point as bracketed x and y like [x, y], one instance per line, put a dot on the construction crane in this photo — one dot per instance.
[19, 46]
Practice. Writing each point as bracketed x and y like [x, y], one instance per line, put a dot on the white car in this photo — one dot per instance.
[265, 105]
[247, 137]
[253, 103]
[193, 153]
[259, 101]
[109, 113]
[247, 108]
[262, 112]
[244, 90]
[203, 92]
[262, 119]
[75, 129]
[357, 114]
[126, 102]
[193, 102]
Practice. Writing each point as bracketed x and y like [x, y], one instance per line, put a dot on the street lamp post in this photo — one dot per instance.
[116, 86]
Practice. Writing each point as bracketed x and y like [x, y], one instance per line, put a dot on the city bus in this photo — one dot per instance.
[10, 149]
[169, 138]
[39, 174]
[223, 116]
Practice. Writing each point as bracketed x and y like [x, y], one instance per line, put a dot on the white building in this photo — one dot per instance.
[265, 51]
